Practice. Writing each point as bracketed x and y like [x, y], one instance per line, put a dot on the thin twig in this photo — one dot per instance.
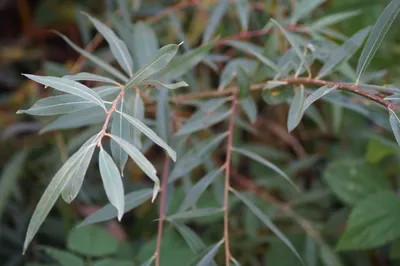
[163, 195]
[256, 87]
[227, 177]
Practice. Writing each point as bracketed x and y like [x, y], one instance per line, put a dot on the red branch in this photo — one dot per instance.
[227, 176]
[163, 195]
[344, 86]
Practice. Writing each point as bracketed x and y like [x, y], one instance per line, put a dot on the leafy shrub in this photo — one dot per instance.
[301, 61]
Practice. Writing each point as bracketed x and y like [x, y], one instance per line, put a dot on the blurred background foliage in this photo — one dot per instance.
[362, 153]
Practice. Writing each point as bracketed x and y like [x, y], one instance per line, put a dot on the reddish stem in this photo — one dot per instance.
[163, 195]
[227, 176]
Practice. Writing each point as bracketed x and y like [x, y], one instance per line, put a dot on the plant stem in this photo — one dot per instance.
[227, 176]
[163, 195]
[256, 87]
[103, 131]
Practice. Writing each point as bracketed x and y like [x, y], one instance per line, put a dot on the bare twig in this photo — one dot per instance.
[163, 195]
[227, 177]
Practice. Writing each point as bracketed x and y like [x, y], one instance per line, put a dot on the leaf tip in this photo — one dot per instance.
[20, 112]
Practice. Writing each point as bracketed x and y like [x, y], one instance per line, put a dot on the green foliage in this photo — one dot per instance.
[224, 166]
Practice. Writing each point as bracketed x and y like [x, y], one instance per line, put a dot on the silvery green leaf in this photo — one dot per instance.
[244, 83]
[74, 184]
[216, 15]
[150, 134]
[229, 71]
[107, 91]
[329, 20]
[158, 85]
[108, 212]
[264, 162]
[255, 51]
[250, 108]
[10, 173]
[163, 120]
[235, 262]
[296, 109]
[242, 8]
[197, 213]
[304, 8]
[117, 46]
[145, 43]
[395, 124]
[344, 52]
[125, 10]
[180, 65]
[196, 191]
[135, 108]
[292, 42]
[83, 76]
[148, 262]
[55, 105]
[194, 158]
[158, 61]
[378, 32]
[141, 161]
[51, 195]
[192, 239]
[112, 182]
[267, 222]
[202, 123]
[68, 86]
[209, 257]
[121, 129]
[102, 64]
[88, 116]
[321, 92]
[273, 84]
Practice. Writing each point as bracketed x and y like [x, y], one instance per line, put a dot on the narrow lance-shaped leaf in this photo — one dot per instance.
[151, 134]
[242, 8]
[112, 182]
[155, 64]
[108, 212]
[56, 105]
[209, 257]
[135, 108]
[68, 86]
[344, 52]
[203, 122]
[194, 194]
[255, 51]
[83, 76]
[51, 195]
[267, 222]
[121, 129]
[321, 92]
[293, 43]
[74, 184]
[104, 65]
[305, 7]
[378, 32]
[192, 239]
[163, 115]
[117, 46]
[141, 161]
[395, 124]
[184, 63]
[187, 215]
[9, 176]
[263, 161]
[158, 85]
[216, 16]
[146, 46]
[250, 108]
[296, 109]
[333, 19]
